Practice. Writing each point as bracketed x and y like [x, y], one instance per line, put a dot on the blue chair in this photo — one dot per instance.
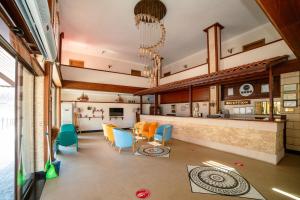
[67, 127]
[67, 136]
[163, 133]
[123, 139]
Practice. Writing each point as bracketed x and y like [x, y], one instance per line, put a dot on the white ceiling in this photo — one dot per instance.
[109, 25]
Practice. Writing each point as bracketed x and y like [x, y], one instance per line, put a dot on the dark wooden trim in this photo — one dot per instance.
[278, 40]
[271, 99]
[289, 66]
[215, 24]
[61, 37]
[191, 100]
[155, 104]
[285, 17]
[208, 54]
[200, 65]
[86, 68]
[141, 104]
[216, 48]
[100, 87]
[47, 108]
[59, 106]
[254, 45]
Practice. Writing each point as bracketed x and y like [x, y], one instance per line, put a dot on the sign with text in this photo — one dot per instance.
[237, 102]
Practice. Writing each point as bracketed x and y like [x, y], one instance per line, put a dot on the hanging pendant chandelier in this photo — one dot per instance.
[148, 18]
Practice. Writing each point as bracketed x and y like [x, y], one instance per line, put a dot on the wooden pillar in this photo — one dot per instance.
[271, 99]
[141, 104]
[155, 104]
[47, 108]
[213, 59]
[58, 107]
[191, 100]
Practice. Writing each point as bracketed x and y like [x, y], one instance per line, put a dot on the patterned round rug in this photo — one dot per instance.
[219, 181]
[155, 151]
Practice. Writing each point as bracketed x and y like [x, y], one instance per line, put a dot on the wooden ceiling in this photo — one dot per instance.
[239, 73]
[285, 16]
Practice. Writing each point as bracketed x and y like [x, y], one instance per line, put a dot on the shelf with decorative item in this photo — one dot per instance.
[116, 117]
[91, 117]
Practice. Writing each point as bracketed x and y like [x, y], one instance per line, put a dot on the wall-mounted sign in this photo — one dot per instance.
[264, 88]
[237, 102]
[289, 103]
[230, 92]
[290, 87]
[246, 89]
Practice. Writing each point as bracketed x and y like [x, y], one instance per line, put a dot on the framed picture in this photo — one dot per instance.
[289, 103]
[265, 88]
[290, 96]
[290, 87]
[230, 92]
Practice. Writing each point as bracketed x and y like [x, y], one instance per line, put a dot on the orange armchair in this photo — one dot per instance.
[149, 130]
[110, 133]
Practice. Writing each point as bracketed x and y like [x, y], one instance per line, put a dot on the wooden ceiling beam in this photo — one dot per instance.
[285, 16]
[100, 87]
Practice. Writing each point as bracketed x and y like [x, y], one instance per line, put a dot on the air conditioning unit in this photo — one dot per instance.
[37, 16]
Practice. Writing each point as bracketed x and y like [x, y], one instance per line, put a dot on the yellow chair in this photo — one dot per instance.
[110, 133]
[149, 130]
[138, 128]
[105, 130]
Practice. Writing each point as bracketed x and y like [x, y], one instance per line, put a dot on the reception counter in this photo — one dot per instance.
[261, 140]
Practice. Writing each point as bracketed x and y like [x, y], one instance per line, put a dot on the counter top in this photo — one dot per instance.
[231, 118]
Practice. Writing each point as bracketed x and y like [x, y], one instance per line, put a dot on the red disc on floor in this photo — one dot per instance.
[239, 164]
[142, 193]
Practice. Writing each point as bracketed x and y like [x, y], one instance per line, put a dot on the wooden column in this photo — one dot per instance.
[213, 59]
[141, 104]
[271, 99]
[155, 104]
[58, 107]
[191, 100]
[47, 108]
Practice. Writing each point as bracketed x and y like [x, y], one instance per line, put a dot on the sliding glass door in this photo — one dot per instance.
[7, 125]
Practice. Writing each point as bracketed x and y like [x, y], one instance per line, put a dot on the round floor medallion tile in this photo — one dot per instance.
[219, 181]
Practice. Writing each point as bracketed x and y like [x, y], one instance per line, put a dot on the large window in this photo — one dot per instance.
[7, 125]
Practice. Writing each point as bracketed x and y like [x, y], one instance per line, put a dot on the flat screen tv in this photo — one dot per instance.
[116, 112]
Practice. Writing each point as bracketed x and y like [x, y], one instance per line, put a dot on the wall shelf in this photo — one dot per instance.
[116, 117]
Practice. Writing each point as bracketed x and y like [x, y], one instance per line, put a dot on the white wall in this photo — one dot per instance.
[266, 31]
[272, 50]
[197, 71]
[98, 62]
[191, 61]
[86, 75]
[95, 123]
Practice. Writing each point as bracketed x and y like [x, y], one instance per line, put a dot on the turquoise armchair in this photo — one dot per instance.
[123, 139]
[67, 136]
[163, 133]
[67, 127]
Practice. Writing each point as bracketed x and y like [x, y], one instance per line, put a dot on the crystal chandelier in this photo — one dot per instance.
[148, 18]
